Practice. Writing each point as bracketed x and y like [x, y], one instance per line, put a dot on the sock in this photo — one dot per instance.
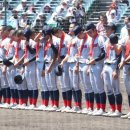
[4, 94]
[12, 92]
[97, 99]
[129, 101]
[42, 96]
[35, 97]
[20, 93]
[79, 97]
[56, 98]
[69, 98]
[0, 95]
[118, 101]
[30, 94]
[64, 95]
[103, 100]
[25, 96]
[111, 99]
[52, 97]
[8, 96]
[87, 100]
[46, 98]
[91, 100]
[16, 96]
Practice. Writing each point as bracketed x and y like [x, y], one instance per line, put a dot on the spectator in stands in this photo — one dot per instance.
[39, 22]
[1, 19]
[111, 15]
[124, 31]
[61, 8]
[47, 8]
[31, 10]
[125, 2]
[22, 6]
[14, 19]
[80, 12]
[24, 21]
[8, 7]
[100, 25]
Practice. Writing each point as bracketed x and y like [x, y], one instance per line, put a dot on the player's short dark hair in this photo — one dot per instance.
[20, 33]
[55, 30]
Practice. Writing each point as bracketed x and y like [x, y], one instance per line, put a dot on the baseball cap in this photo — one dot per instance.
[128, 26]
[111, 25]
[113, 39]
[89, 26]
[77, 30]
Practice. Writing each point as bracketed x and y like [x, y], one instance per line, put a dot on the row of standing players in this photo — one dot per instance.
[84, 56]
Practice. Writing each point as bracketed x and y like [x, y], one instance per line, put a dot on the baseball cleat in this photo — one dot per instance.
[6, 106]
[126, 116]
[99, 112]
[31, 107]
[91, 112]
[85, 111]
[116, 114]
[41, 108]
[61, 109]
[12, 105]
[108, 113]
[75, 109]
[67, 109]
[54, 108]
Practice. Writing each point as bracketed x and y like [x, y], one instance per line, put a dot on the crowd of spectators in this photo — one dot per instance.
[71, 10]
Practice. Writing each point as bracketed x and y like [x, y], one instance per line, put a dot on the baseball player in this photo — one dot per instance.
[110, 72]
[3, 80]
[96, 56]
[50, 55]
[62, 50]
[30, 68]
[18, 61]
[111, 75]
[73, 69]
[83, 54]
[125, 63]
[40, 69]
[10, 68]
[4, 83]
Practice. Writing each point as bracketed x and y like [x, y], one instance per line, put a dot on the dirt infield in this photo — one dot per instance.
[40, 120]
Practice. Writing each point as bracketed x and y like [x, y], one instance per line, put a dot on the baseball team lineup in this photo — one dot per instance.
[31, 63]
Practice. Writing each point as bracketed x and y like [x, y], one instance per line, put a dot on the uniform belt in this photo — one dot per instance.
[110, 64]
[47, 62]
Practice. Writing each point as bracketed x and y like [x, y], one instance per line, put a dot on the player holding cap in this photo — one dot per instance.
[62, 51]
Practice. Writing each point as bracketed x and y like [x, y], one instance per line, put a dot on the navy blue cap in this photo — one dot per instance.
[89, 26]
[18, 79]
[77, 30]
[58, 70]
[113, 39]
